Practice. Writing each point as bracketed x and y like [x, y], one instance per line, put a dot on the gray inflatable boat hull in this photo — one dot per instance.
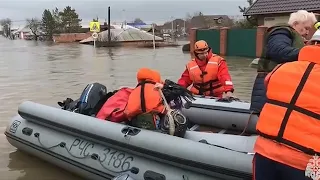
[98, 149]
[233, 115]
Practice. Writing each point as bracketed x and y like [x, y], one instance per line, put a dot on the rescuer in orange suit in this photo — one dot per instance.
[145, 107]
[207, 73]
[289, 123]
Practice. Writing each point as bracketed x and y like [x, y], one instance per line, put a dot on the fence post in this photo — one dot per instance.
[193, 39]
[223, 40]
[259, 40]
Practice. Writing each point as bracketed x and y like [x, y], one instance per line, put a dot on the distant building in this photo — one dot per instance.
[206, 21]
[177, 25]
[210, 21]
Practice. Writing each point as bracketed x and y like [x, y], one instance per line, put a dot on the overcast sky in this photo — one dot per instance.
[148, 10]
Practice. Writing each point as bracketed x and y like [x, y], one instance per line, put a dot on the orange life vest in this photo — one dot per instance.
[291, 115]
[205, 82]
[145, 98]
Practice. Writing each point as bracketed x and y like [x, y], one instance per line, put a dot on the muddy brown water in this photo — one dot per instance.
[47, 73]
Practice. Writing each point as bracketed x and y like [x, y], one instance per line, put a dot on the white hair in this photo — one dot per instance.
[302, 16]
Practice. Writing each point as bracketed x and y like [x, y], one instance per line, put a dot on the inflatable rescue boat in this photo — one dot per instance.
[222, 113]
[98, 150]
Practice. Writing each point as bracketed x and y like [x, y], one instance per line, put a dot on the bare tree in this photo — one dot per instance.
[6, 26]
[188, 17]
[34, 25]
[250, 21]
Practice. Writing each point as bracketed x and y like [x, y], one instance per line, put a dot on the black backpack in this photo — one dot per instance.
[92, 99]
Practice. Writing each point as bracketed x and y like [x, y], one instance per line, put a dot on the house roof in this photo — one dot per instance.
[260, 7]
[128, 33]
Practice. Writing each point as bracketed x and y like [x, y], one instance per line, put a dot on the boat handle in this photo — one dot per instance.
[131, 131]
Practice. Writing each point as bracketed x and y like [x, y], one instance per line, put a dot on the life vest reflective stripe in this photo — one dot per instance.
[291, 115]
[144, 99]
[205, 82]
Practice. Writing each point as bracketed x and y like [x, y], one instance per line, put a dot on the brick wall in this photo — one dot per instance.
[223, 40]
[70, 37]
[259, 40]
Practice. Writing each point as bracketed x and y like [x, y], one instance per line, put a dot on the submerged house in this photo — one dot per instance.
[124, 35]
[23, 33]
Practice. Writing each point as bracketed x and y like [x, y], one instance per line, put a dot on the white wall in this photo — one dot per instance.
[270, 21]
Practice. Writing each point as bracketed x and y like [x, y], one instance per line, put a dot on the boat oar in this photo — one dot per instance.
[169, 113]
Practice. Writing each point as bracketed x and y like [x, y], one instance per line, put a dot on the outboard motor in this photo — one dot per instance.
[123, 177]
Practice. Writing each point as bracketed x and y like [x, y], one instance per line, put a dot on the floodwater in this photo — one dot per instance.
[47, 73]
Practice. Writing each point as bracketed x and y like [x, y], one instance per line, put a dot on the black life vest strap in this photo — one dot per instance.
[142, 97]
[201, 87]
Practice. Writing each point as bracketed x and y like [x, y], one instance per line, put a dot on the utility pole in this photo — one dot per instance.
[172, 34]
[109, 26]
[124, 23]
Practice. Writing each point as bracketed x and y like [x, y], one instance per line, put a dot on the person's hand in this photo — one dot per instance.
[158, 86]
[229, 95]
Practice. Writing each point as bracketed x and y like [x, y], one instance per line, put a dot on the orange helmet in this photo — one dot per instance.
[201, 47]
[148, 74]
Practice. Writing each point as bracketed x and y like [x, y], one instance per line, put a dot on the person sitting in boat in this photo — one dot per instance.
[207, 73]
[145, 108]
[282, 44]
[288, 126]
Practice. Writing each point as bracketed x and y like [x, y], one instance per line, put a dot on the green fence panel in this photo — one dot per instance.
[241, 42]
[212, 37]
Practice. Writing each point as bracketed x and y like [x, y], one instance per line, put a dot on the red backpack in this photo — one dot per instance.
[113, 109]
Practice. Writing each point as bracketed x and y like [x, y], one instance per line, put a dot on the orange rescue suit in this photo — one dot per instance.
[291, 116]
[205, 82]
[145, 98]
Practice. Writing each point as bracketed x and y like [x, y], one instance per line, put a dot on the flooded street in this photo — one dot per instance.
[47, 73]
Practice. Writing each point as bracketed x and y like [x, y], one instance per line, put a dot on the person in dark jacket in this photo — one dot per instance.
[282, 44]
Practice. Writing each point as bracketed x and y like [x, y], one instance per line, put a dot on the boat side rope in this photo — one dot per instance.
[243, 152]
[93, 156]
[248, 122]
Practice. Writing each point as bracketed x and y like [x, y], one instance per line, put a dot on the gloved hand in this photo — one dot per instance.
[174, 90]
[228, 97]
